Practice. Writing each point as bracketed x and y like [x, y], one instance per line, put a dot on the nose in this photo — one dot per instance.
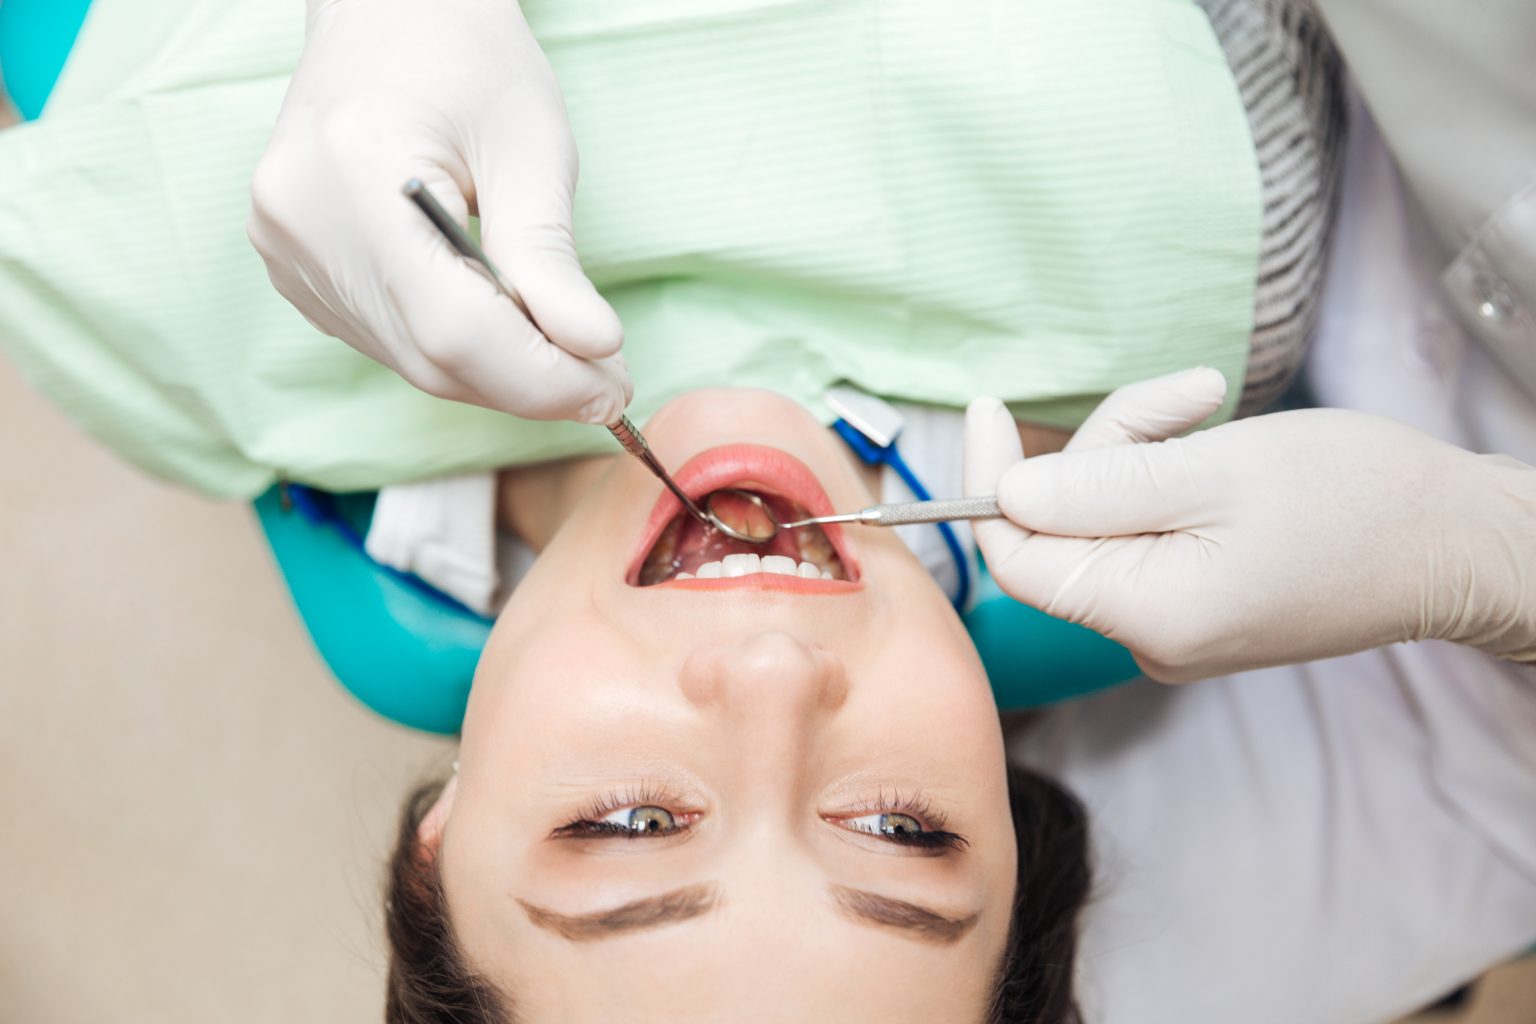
[765, 678]
[767, 698]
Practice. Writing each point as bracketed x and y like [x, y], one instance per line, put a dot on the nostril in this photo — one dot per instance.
[832, 689]
[699, 678]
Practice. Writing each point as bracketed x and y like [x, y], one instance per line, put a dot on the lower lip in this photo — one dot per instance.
[775, 471]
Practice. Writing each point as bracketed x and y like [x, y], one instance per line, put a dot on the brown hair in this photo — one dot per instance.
[429, 978]
[430, 981]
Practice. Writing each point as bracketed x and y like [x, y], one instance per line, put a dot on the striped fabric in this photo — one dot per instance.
[1289, 76]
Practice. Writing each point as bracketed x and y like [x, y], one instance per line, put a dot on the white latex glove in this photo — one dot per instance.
[1271, 540]
[458, 94]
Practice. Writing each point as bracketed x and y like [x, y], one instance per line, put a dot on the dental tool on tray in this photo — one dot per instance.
[628, 435]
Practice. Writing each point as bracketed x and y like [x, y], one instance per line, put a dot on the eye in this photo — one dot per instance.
[624, 819]
[902, 829]
[648, 819]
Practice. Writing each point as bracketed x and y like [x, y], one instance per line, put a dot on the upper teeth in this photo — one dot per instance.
[748, 564]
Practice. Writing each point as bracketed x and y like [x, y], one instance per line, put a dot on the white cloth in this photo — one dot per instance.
[1342, 841]
[929, 442]
[444, 531]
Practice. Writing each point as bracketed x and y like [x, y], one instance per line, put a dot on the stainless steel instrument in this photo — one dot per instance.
[892, 514]
[624, 431]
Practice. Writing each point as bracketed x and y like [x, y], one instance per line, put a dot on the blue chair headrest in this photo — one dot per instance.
[35, 39]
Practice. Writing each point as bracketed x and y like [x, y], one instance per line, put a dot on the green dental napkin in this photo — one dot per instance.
[1040, 201]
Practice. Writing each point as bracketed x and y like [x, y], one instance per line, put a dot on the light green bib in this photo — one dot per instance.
[1040, 201]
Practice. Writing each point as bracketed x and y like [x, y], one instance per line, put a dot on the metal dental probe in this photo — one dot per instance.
[894, 514]
[625, 432]
[902, 513]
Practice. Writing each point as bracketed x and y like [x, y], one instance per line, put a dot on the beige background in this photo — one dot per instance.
[192, 814]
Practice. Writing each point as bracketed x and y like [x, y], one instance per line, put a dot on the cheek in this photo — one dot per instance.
[928, 690]
[544, 673]
[943, 702]
[920, 664]
[924, 645]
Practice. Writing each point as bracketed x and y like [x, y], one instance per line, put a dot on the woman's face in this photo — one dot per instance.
[734, 799]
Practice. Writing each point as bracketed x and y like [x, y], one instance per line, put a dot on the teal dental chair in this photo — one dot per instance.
[407, 651]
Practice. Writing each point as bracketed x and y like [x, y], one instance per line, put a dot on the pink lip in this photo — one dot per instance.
[775, 471]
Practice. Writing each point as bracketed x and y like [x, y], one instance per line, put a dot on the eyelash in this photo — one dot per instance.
[607, 829]
[928, 839]
[588, 824]
[918, 806]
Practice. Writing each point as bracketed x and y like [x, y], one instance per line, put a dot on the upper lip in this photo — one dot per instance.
[770, 469]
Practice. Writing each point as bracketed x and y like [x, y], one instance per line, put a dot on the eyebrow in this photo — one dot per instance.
[652, 912]
[917, 922]
[693, 901]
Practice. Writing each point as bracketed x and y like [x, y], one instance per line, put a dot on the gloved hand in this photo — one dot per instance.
[458, 94]
[1271, 540]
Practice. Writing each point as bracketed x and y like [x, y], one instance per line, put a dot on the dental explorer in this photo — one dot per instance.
[625, 432]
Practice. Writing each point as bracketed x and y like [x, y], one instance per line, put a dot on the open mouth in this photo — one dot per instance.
[688, 549]
[678, 549]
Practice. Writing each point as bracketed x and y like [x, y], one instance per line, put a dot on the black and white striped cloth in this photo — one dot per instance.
[1290, 79]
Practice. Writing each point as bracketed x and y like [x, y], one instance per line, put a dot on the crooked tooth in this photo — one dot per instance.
[741, 564]
[826, 575]
[808, 571]
[780, 565]
[710, 571]
[683, 576]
